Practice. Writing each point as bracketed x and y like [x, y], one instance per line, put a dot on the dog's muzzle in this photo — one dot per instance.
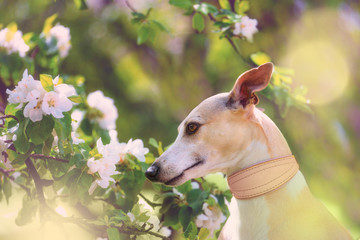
[152, 172]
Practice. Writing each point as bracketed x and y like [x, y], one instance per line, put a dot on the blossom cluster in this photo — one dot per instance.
[106, 112]
[38, 101]
[147, 210]
[11, 40]
[112, 154]
[246, 27]
[212, 218]
[102, 111]
[62, 36]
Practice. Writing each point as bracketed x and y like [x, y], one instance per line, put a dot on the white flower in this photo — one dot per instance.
[64, 89]
[195, 185]
[137, 149]
[75, 138]
[20, 94]
[76, 116]
[105, 106]
[181, 196]
[39, 102]
[165, 231]
[212, 218]
[246, 27]
[62, 36]
[105, 166]
[131, 216]
[12, 41]
[34, 111]
[55, 104]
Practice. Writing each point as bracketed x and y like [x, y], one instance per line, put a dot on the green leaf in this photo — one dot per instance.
[160, 26]
[203, 233]
[63, 130]
[191, 231]
[185, 216]
[153, 142]
[77, 160]
[86, 126]
[47, 82]
[198, 22]
[49, 23]
[11, 109]
[39, 131]
[160, 148]
[113, 234]
[143, 34]
[76, 99]
[80, 4]
[196, 198]
[105, 137]
[224, 4]
[185, 4]
[22, 143]
[132, 183]
[63, 126]
[206, 8]
[241, 6]
[184, 188]
[260, 58]
[172, 215]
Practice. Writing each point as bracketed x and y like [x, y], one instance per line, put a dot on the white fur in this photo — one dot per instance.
[296, 185]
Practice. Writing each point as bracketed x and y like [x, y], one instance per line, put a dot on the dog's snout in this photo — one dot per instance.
[152, 172]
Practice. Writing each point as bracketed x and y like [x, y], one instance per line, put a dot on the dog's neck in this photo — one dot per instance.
[269, 144]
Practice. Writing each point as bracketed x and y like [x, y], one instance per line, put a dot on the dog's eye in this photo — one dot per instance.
[191, 128]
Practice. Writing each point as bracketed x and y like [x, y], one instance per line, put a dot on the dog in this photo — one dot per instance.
[227, 133]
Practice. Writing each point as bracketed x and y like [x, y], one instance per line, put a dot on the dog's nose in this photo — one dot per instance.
[152, 172]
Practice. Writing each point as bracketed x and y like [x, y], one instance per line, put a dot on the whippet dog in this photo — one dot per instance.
[227, 133]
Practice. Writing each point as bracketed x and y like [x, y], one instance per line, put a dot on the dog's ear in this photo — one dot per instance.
[254, 80]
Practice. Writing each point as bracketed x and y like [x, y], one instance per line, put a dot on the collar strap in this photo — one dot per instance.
[263, 177]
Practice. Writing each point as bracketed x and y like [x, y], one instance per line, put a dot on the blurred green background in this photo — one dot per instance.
[155, 85]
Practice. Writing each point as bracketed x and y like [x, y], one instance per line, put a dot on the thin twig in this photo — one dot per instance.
[233, 45]
[231, 42]
[130, 6]
[40, 156]
[6, 173]
[152, 204]
[133, 231]
[9, 116]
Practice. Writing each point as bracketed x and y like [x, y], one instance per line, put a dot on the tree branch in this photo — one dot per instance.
[152, 204]
[134, 231]
[37, 180]
[9, 116]
[40, 156]
[130, 6]
[6, 174]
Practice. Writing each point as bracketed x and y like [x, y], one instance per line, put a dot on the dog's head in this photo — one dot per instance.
[215, 133]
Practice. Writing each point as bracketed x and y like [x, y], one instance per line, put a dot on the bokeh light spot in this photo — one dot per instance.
[318, 57]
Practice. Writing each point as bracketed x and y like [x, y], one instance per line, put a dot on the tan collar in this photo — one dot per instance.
[263, 177]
